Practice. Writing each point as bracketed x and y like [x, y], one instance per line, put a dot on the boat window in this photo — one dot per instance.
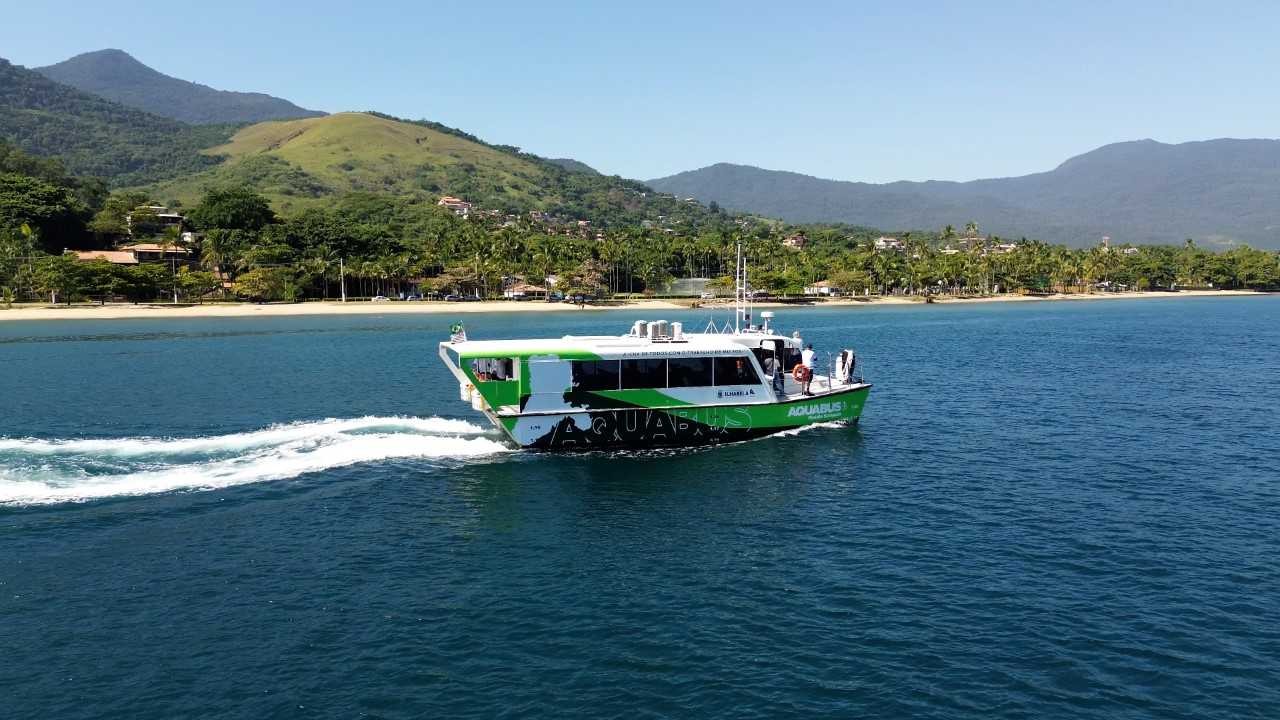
[736, 371]
[644, 373]
[487, 369]
[595, 374]
[689, 372]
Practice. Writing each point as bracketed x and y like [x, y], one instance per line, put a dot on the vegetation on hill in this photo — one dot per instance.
[574, 165]
[41, 205]
[381, 244]
[1222, 191]
[284, 209]
[304, 163]
[117, 76]
[97, 137]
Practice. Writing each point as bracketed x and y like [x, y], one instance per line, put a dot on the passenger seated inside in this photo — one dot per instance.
[735, 371]
[487, 369]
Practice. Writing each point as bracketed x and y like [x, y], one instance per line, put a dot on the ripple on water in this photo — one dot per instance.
[1047, 511]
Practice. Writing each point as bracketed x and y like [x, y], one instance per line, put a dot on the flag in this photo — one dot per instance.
[457, 333]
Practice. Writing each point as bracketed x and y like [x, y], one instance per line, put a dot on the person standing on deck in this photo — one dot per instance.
[774, 372]
[806, 359]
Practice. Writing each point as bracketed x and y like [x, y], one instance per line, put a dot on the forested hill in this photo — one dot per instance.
[311, 161]
[574, 165]
[305, 163]
[1217, 191]
[117, 76]
[98, 137]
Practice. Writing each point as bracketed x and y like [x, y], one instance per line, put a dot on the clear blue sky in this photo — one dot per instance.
[874, 91]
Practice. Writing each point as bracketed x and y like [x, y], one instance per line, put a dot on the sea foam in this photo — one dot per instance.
[42, 471]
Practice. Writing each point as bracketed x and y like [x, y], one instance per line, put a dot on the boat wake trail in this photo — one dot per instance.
[38, 472]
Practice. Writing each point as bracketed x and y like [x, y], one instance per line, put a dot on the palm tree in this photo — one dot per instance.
[165, 240]
[318, 265]
[215, 251]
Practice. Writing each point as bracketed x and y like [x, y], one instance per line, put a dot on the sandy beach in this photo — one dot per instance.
[122, 311]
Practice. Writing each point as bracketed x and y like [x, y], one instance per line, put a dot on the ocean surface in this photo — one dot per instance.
[1049, 510]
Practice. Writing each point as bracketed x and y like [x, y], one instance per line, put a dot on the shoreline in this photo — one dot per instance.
[335, 308]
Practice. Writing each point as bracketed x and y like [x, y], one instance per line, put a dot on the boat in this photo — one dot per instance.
[655, 386]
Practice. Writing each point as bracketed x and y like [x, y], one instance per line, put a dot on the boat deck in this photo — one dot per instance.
[821, 385]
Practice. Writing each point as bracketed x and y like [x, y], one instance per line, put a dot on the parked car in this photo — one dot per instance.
[707, 295]
[379, 298]
[555, 297]
[451, 297]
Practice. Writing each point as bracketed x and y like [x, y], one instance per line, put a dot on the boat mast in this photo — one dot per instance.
[741, 293]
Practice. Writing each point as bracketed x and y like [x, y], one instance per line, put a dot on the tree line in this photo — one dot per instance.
[377, 244]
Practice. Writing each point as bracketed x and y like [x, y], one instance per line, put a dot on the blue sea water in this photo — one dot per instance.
[1049, 510]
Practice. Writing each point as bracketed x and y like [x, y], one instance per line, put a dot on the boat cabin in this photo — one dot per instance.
[656, 365]
[515, 376]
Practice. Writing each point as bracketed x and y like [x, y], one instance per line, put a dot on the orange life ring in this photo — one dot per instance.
[801, 373]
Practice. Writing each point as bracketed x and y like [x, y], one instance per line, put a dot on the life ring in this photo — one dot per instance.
[801, 373]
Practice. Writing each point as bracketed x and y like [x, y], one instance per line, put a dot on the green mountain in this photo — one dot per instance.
[117, 76]
[1217, 191]
[312, 161]
[304, 163]
[98, 137]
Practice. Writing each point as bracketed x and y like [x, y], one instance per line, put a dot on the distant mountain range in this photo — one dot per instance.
[1219, 192]
[115, 75]
[155, 132]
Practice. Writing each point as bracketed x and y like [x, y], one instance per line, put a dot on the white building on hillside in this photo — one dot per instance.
[889, 243]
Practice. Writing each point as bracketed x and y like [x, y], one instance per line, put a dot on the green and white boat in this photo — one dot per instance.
[656, 386]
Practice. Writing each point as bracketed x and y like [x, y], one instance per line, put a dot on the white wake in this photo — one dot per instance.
[36, 471]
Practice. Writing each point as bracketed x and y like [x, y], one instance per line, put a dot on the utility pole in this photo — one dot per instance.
[342, 279]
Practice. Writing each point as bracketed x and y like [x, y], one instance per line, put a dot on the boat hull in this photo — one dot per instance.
[641, 427]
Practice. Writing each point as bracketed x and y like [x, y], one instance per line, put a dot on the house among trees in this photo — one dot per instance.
[115, 257]
[883, 243]
[137, 253]
[796, 241]
[460, 207]
[524, 291]
[822, 288]
[155, 252]
[152, 220]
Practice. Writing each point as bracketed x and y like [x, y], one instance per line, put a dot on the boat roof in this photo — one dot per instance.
[612, 346]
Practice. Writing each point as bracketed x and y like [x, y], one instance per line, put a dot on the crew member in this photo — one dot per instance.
[774, 372]
[806, 359]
